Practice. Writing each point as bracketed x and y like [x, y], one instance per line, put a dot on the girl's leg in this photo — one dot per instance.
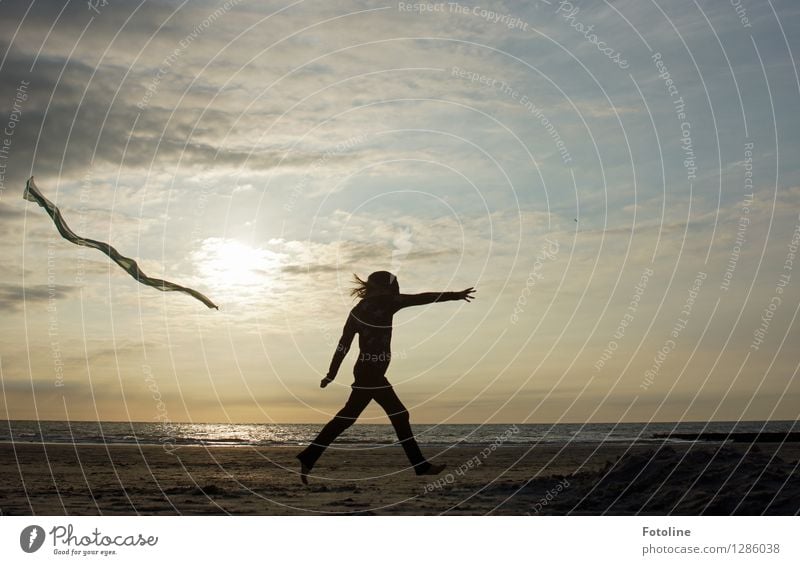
[359, 398]
[398, 415]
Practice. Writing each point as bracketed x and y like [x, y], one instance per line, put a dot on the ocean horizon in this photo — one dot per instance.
[258, 434]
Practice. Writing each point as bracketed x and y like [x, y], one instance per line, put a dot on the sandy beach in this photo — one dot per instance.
[651, 478]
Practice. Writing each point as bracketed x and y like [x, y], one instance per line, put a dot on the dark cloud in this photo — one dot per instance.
[104, 99]
[76, 115]
[25, 385]
[13, 297]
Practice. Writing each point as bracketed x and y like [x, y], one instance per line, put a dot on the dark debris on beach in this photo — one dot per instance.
[708, 481]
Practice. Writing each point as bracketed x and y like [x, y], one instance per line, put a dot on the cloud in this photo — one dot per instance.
[10, 213]
[310, 269]
[10, 218]
[14, 297]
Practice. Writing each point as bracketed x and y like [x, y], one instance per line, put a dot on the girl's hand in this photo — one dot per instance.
[326, 381]
[466, 295]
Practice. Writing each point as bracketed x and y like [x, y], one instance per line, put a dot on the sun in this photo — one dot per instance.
[230, 265]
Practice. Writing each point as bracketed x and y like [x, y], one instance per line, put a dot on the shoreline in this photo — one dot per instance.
[356, 445]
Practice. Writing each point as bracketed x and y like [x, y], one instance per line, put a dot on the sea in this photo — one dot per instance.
[244, 435]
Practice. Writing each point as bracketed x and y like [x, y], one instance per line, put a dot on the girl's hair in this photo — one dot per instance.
[379, 282]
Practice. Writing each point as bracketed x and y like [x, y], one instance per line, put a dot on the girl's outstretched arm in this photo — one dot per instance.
[348, 333]
[406, 300]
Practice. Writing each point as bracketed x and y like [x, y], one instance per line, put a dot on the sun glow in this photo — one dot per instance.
[231, 266]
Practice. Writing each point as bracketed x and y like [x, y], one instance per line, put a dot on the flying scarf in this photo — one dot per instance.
[129, 265]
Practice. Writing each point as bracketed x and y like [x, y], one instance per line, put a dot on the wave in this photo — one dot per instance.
[265, 435]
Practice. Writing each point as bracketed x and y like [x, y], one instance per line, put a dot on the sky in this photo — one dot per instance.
[618, 180]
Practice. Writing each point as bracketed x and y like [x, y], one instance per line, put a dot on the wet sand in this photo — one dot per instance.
[643, 478]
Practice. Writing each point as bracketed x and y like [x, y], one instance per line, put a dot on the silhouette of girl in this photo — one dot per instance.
[371, 319]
